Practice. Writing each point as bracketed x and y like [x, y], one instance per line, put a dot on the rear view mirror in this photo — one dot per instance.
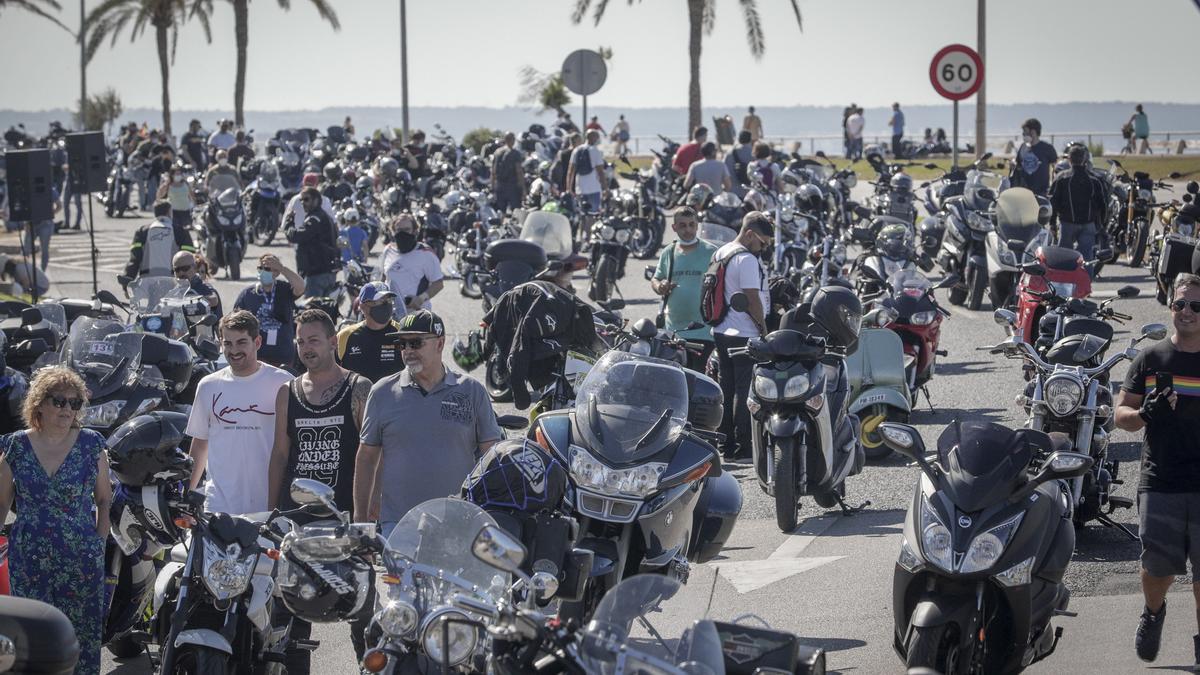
[948, 281]
[1174, 175]
[1063, 465]
[821, 154]
[1128, 292]
[614, 305]
[107, 296]
[931, 165]
[498, 548]
[31, 316]
[1154, 331]
[1034, 269]
[904, 440]
[512, 422]
[986, 156]
[739, 302]
[309, 492]
[1004, 317]
[650, 272]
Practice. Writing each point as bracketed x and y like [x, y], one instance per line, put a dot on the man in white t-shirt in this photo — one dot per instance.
[411, 269]
[233, 421]
[585, 177]
[743, 274]
[854, 131]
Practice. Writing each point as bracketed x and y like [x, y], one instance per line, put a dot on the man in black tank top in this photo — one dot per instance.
[318, 439]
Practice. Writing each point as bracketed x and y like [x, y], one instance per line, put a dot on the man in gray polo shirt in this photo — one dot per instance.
[423, 428]
[709, 171]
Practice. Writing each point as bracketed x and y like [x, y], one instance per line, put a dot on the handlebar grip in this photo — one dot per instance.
[1123, 317]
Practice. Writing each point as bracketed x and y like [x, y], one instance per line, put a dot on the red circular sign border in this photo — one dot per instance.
[937, 86]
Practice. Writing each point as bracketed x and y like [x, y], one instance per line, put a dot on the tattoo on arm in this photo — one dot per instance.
[358, 399]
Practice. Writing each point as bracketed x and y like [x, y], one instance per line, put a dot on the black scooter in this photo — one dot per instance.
[987, 540]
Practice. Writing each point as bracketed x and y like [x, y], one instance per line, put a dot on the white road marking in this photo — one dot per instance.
[784, 561]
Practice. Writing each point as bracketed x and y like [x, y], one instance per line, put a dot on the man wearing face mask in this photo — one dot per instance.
[678, 278]
[221, 176]
[365, 347]
[317, 254]
[1035, 157]
[411, 269]
[743, 274]
[272, 301]
[184, 267]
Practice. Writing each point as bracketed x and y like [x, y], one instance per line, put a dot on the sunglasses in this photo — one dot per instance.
[1178, 305]
[60, 402]
[415, 343]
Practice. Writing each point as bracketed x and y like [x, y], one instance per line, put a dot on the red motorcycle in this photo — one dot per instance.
[1054, 269]
[919, 325]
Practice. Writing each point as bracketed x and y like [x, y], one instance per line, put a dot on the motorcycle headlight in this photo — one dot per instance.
[607, 232]
[1145, 195]
[225, 574]
[764, 388]
[622, 236]
[1065, 289]
[923, 318]
[979, 221]
[103, 415]
[448, 628]
[796, 386]
[936, 542]
[591, 473]
[1062, 394]
[222, 220]
[1007, 257]
[986, 548]
[398, 618]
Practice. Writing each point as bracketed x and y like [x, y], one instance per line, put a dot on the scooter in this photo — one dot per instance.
[919, 324]
[225, 243]
[878, 382]
[1020, 220]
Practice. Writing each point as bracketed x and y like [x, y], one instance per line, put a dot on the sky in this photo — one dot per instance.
[469, 52]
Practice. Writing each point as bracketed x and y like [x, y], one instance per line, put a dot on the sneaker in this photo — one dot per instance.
[1149, 632]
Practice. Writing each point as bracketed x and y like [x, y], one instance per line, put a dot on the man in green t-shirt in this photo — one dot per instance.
[681, 269]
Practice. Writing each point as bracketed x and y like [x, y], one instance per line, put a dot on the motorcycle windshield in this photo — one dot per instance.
[53, 312]
[717, 234]
[147, 293]
[96, 350]
[438, 534]
[628, 406]
[634, 627]
[909, 282]
[551, 231]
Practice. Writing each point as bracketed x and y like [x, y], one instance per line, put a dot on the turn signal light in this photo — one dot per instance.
[698, 472]
[272, 553]
[374, 661]
[184, 522]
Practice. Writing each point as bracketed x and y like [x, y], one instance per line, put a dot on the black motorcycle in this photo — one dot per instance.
[642, 205]
[266, 204]
[610, 239]
[987, 540]
[804, 442]
[646, 479]
[225, 236]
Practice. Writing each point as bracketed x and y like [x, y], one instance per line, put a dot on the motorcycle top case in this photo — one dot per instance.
[1176, 256]
[517, 475]
[43, 636]
[706, 403]
[517, 250]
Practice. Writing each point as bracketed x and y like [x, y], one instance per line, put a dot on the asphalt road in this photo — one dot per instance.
[830, 581]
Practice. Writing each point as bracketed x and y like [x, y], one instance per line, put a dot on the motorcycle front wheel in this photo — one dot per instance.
[787, 509]
[497, 383]
[642, 243]
[1139, 234]
[977, 282]
[194, 660]
[124, 648]
[233, 260]
[936, 648]
[602, 279]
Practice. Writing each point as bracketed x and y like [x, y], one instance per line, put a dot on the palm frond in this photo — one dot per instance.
[708, 16]
[754, 30]
[796, 11]
[33, 7]
[598, 13]
[581, 8]
[325, 10]
[201, 13]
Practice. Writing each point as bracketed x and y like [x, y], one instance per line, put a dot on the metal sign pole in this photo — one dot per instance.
[584, 121]
[955, 146]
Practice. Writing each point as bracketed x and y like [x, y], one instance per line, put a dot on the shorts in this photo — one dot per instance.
[1169, 525]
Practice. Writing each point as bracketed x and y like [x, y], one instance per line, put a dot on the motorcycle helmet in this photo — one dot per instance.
[229, 198]
[403, 177]
[809, 198]
[1193, 187]
[363, 184]
[468, 355]
[902, 182]
[333, 172]
[145, 450]
[350, 217]
[838, 311]
[698, 196]
[530, 166]
[325, 591]
[350, 175]
[754, 201]
[452, 199]
[894, 241]
[141, 519]
[389, 167]
[543, 169]
[554, 207]
[394, 197]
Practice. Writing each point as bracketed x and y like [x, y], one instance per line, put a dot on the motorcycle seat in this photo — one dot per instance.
[1059, 258]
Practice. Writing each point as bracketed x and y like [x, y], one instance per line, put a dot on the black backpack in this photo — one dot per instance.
[583, 160]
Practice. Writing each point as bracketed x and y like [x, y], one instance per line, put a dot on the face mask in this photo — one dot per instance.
[406, 241]
[223, 162]
[265, 278]
[381, 313]
[177, 179]
[689, 242]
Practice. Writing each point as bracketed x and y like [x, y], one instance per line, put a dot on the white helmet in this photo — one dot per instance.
[350, 216]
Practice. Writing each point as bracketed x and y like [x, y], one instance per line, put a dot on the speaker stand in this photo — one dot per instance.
[92, 242]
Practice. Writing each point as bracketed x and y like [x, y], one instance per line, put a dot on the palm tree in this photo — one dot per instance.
[39, 7]
[111, 17]
[701, 14]
[241, 30]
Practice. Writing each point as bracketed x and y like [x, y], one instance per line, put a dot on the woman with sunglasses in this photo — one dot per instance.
[59, 472]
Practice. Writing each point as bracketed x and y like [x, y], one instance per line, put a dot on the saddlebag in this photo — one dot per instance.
[715, 513]
[42, 636]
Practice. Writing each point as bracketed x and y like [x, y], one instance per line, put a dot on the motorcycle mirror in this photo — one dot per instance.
[948, 281]
[1113, 162]
[544, 584]
[1063, 465]
[1034, 268]
[498, 548]
[739, 302]
[1005, 317]
[644, 328]
[924, 184]
[31, 316]
[309, 492]
[1128, 292]
[512, 422]
[1174, 175]
[650, 272]
[905, 440]
[107, 296]
[1154, 331]
[209, 320]
[985, 156]
[209, 349]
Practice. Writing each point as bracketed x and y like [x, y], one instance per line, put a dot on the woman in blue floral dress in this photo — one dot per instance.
[59, 475]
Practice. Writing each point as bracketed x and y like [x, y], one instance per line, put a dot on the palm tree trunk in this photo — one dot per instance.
[695, 34]
[241, 30]
[160, 35]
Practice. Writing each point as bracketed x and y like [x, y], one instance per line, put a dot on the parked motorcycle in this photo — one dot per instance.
[1019, 227]
[1052, 268]
[643, 205]
[609, 240]
[1134, 232]
[1172, 250]
[987, 539]
[266, 204]
[225, 225]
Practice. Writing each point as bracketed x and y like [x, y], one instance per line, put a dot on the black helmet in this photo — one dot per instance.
[333, 172]
[145, 450]
[902, 182]
[388, 166]
[364, 183]
[322, 591]
[141, 518]
[839, 312]
[468, 355]
[1193, 187]
[809, 198]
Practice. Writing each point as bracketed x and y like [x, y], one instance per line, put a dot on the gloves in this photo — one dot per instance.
[1156, 405]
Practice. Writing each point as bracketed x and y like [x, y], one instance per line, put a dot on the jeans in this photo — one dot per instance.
[735, 387]
[68, 196]
[321, 285]
[854, 148]
[1080, 236]
[42, 232]
[149, 189]
[590, 202]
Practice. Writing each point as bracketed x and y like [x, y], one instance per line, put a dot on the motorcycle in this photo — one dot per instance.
[643, 206]
[964, 243]
[1134, 232]
[646, 480]
[918, 323]
[609, 241]
[987, 539]
[803, 440]
[225, 240]
[1172, 250]
[1052, 268]
[122, 175]
[266, 204]
[1069, 393]
[1019, 224]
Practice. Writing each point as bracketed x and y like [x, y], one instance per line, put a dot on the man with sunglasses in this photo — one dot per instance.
[272, 300]
[1161, 394]
[183, 265]
[423, 427]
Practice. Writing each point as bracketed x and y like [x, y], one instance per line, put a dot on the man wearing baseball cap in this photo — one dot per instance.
[423, 428]
[365, 347]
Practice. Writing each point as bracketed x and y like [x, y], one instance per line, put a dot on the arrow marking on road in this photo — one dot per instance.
[784, 562]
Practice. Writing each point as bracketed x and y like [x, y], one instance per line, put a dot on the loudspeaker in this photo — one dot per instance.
[88, 162]
[29, 194]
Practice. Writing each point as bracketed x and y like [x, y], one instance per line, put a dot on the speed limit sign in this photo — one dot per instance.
[956, 72]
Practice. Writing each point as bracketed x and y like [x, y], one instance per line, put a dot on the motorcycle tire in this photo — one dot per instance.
[1160, 294]
[642, 244]
[195, 660]
[1140, 233]
[124, 648]
[936, 648]
[468, 287]
[497, 384]
[233, 260]
[978, 283]
[957, 294]
[582, 610]
[602, 279]
[787, 508]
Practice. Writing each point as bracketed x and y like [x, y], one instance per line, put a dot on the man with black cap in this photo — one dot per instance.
[423, 428]
[743, 274]
[365, 347]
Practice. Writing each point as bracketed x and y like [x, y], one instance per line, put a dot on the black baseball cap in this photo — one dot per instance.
[423, 322]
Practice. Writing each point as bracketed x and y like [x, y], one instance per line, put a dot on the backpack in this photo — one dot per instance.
[713, 306]
[583, 160]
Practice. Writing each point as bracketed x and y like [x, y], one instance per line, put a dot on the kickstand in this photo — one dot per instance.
[928, 402]
[851, 510]
[1109, 522]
